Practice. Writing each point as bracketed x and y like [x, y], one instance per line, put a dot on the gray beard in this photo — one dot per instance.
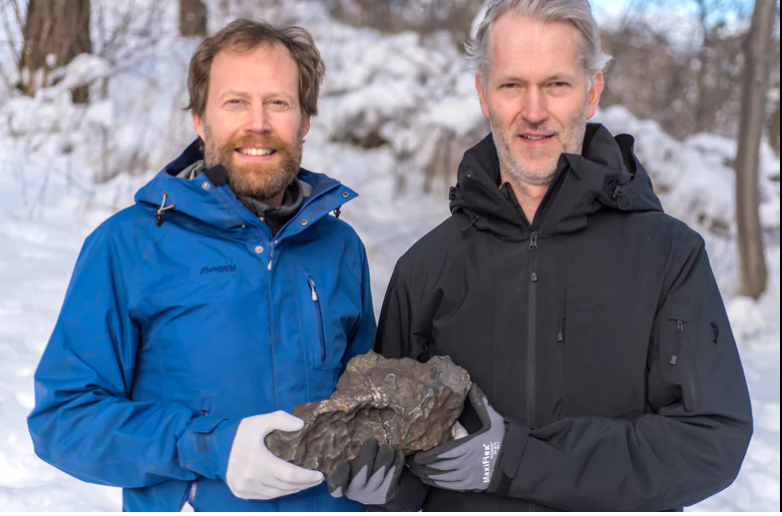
[513, 168]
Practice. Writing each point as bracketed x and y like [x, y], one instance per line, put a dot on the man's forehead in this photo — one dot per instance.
[266, 52]
[268, 64]
[523, 43]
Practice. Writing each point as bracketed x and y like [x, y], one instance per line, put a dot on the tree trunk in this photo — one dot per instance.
[701, 107]
[56, 31]
[773, 130]
[752, 262]
[192, 18]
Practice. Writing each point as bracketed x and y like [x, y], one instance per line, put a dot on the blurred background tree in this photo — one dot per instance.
[192, 18]
[688, 81]
[422, 16]
[757, 55]
[54, 32]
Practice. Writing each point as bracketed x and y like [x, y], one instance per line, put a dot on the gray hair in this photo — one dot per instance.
[577, 12]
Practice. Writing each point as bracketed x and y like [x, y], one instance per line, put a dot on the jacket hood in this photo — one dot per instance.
[208, 198]
[607, 176]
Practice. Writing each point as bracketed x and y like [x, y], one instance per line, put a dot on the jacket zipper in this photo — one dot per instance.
[264, 230]
[531, 327]
[319, 316]
[531, 335]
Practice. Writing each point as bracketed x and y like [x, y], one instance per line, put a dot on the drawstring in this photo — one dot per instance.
[619, 194]
[464, 230]
[161, 212]
[561, 334]
[338, 212]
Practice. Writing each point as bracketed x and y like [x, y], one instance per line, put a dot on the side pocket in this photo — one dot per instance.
[319, 319]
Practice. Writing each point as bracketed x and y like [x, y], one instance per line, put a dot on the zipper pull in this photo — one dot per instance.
[314, 293]
[533, 241]
[680, 326]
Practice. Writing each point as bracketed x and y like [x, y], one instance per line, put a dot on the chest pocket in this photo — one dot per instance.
[321, 354]
[328, 310]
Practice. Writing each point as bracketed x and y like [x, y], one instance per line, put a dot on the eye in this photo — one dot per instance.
[559, 84]
[234, 102]
[509, 85]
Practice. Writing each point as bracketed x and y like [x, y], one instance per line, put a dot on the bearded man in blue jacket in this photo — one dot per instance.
[197, 319]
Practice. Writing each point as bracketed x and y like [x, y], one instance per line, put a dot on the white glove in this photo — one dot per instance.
[255, 473]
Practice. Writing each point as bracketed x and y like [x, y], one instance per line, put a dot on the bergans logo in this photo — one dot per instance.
[219, 269]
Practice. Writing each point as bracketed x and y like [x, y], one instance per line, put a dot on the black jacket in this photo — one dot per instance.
[598, 332]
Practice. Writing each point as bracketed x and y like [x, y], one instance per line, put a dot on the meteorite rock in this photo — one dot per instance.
[400, 402]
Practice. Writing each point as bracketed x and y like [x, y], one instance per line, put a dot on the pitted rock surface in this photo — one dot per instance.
[400, 402]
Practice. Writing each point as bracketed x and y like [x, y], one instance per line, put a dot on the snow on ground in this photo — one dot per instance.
[404, 88]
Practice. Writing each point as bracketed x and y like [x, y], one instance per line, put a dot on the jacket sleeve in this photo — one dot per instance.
[689, 448]
[84, 421]
[399, 334]
[397, 339]
[362, 337]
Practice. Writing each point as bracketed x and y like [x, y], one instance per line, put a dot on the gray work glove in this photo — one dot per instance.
[466, 464]
[373, 478]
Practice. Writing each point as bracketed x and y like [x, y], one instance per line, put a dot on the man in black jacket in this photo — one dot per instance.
[589, 318]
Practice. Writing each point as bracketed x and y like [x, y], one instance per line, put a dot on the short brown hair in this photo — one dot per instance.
[243, 35]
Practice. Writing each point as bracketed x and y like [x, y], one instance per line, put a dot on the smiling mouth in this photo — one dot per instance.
[256, 152]
[536, 138]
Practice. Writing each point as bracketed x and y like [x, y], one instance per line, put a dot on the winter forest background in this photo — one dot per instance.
[91, 98]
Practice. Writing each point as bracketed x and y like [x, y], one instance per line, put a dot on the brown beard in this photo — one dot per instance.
[259, 181]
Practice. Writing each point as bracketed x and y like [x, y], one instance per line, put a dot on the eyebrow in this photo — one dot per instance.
[234, 93]
[245, 95]
[553, 78]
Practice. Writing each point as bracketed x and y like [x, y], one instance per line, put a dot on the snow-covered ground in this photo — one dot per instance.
[405, 89]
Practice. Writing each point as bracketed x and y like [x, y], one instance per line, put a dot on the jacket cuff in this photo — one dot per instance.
[205, 446]
[508, 462]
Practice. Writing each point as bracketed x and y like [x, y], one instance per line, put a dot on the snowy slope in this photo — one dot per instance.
[403, 87]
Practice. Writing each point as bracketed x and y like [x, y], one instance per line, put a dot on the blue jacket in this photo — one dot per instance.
[170, 335]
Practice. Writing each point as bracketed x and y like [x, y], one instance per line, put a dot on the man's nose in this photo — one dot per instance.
[259, 120]
[535, 111]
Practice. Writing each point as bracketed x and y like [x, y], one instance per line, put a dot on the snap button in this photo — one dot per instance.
[205, 185]
[259, 250]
